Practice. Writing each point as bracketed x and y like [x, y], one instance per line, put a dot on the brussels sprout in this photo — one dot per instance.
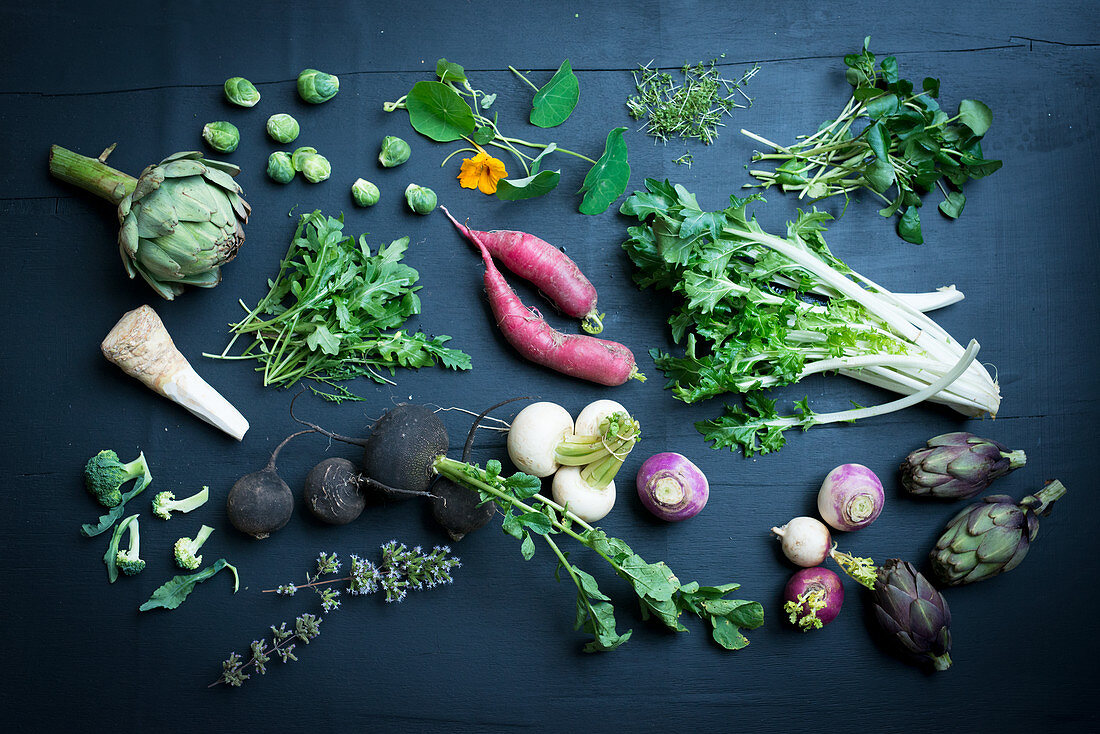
[241, 92]
[395, 151]
[222, 136]
[300, 155]
[420, 199]
[279, 167]
[282, 128]
[316, 168]
[364, 192]
[316, 87]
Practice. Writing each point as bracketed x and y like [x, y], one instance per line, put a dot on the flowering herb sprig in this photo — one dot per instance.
[401, 570]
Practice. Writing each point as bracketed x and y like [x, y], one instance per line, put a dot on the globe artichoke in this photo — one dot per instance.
[180, 220]
[957, 466]
[991, 536]
[913, 612]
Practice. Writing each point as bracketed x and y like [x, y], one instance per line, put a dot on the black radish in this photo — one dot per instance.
[333, 491]
[261, 502]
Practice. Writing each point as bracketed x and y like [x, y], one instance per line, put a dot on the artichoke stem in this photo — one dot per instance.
[1047, 496]
[90, 174]
[1016, 459]
[941, 662]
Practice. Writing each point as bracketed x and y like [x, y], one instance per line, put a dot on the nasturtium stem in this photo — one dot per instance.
[521, 76]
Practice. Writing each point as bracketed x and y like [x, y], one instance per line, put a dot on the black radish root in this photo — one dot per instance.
[261, 502]
[333, 491]
[455, 507]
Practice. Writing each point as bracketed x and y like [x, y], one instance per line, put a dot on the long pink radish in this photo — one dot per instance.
[547, 267]
[578, 355]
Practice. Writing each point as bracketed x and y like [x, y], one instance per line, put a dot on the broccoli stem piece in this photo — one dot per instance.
[165, 503]
[186, 550]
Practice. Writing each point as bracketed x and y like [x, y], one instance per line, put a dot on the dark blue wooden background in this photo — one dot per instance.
[495, 650]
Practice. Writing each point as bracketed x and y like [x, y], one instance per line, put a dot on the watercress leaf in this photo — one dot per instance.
[174, 591]
[889, 67]
[889, 211]
[554, 103]
[909, 226]
[607, 179]
[538, 184]
[931, 85]
[975, 115]
[527, 547]
[438, 112]
[879, 175]
[483, 135]
[979, 167]
[865, 93]
[448, 71]
[879, 140]
[882, 106]
[953, 205]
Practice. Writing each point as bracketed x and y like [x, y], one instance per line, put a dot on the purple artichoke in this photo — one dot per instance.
[909, 608]
[957, 465]
[991, 536]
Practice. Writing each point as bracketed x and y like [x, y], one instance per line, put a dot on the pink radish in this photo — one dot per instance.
[544, 265]
[578, 355]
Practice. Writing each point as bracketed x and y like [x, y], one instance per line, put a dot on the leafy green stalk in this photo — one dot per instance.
[659, 591]
[175, 590]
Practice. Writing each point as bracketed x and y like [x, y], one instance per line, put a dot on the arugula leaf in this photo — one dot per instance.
[555, 101]
[174, 591]
[607, 179]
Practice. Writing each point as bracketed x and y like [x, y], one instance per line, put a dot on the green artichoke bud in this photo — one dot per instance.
[991, 536]
[241, 92]
[420, 199]
[300, 155]
[911, 610]
[316, 168]
[280, 169]
[957, 466]
[181, 219]
[395, 151]
[282, 128]
[364, 192]
[316, 87]
[222, 136]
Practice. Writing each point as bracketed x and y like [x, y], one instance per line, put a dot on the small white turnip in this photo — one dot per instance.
[535, 435]
[806, 541]
[585, 500]
[589, 420]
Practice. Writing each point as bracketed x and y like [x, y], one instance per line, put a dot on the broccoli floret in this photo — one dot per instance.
[165, 503]
[128, 561]
[186, 549]
[104, 476]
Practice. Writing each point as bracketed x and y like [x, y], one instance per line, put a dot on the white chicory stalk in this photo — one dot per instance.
[141, 346]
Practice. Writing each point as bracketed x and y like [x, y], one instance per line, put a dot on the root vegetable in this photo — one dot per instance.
[141, 346]
[582, 497]
[672, 487]
[593, 415]
[851, 497]
[548, 268]
[261, 502]
[814, 597]
[333, 493]
[535, 435]
[577, 355]
[805, 541]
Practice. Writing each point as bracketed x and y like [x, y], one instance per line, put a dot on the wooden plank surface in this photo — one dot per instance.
[495, 651]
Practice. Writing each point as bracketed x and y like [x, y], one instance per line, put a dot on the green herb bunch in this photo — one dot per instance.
[333, 313]
[887, 136]
[401, 570]
[693, 110]
[528, 514]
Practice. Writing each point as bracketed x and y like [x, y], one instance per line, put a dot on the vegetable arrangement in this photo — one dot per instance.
[906, 142]
[757, 311]
[333, 313]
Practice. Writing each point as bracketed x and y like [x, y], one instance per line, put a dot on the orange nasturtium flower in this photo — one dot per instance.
[481, 172]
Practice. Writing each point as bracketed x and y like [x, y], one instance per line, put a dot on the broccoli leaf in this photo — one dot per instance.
[174, 591]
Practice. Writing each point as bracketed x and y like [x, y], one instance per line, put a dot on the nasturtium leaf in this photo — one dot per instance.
[554, 103]
[449, 71]
[607, 179]
[483, 135]
[536, 165]
[879, 140]
[953, 205]
[528, 188]
[909, 226]
[487, 101]
[438, 112]
[975, 115]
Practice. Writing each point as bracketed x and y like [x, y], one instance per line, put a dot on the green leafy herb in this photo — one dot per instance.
[692, 110]
[334, 312]
[528, 514]
[436, 111]
[554, 102]
[174, 591]
[449, 72]
[528, 187]
[757, 311]
[607, 179]
[907, 142]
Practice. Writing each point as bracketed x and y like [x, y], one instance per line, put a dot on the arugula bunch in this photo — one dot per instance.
[528, 514]
[333, 312]
[887, 136]
[757, 311]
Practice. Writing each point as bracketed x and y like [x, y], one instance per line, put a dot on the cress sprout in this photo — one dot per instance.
[316, 87]
[241, 92]
[283, 128]
[395, 151]
[280, 169]
[420, 199]
[222, 136]
[364, 192]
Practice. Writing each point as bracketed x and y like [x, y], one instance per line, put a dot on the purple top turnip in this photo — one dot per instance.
[672, 487]
[851, 497]
[814, 597]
